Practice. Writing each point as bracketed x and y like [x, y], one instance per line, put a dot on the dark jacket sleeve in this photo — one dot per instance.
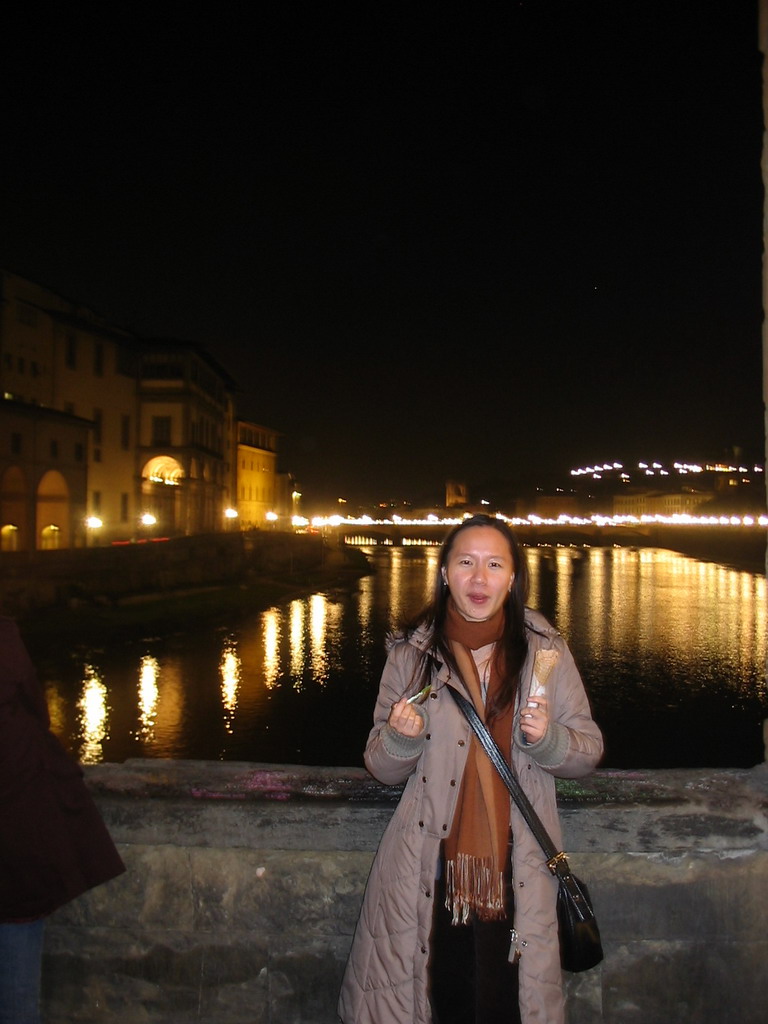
[53, 842]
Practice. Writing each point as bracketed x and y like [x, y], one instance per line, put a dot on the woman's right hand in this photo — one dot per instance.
[405, 719]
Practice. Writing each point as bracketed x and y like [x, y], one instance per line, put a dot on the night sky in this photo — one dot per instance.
[427, 240]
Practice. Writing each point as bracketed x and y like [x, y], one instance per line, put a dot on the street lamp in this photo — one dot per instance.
[148, 522]
[93, 523]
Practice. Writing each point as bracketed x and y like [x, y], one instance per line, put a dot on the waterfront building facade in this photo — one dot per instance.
[43, 477]
[186, 417]
[258, 500]
[639, 503]
[58, 356]
[109, 438]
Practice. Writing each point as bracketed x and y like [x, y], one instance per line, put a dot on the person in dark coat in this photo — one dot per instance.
[54, 845]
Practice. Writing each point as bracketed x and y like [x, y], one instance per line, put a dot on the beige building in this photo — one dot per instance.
[43, 477]
[184, 451]
[259, 497]
[106, 438]
[58, 355]
[659, 503]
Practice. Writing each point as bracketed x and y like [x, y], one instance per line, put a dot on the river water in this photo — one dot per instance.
[672, 651]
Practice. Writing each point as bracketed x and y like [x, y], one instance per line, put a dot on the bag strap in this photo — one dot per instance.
[556, 860]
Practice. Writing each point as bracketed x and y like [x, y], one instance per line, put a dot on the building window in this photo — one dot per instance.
[96, 502]
[98, 359]
[123, 508]
[79, 452]
[98, 417]
[161, 430]
[16, 444]
[54, 448]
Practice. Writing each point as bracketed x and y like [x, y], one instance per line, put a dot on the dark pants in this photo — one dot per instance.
[471, 978]
[21, 952]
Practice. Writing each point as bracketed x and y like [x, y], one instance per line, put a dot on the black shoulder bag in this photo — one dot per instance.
[580, 945]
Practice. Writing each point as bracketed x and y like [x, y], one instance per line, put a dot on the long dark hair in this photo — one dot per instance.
[513, 643]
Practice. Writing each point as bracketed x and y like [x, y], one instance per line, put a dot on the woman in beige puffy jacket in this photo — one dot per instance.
[458, 923]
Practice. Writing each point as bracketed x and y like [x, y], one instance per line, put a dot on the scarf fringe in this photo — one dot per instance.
[472, 885]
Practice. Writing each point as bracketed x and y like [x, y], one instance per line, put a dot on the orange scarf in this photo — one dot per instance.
[476, 848]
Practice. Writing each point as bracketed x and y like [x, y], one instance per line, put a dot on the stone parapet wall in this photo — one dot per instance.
[244, 883]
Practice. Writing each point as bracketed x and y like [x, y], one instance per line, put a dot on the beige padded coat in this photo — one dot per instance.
[386, 978]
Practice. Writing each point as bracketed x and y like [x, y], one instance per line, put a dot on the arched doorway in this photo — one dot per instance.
[52, 513]
[50, 538]
[9, 537]
[161, 480]
[14, 500]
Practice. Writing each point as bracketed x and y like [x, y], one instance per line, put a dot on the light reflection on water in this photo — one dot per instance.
[672, 650]
[230, 681]
[92, 707]
[148, 693]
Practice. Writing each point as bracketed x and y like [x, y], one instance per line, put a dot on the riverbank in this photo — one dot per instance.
[277, 572]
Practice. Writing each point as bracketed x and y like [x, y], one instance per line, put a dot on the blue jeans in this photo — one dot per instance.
[21, 954]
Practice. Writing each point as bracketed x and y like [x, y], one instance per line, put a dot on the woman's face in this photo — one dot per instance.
[479, 572]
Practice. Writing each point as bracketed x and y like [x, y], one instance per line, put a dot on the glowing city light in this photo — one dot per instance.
[676, 519]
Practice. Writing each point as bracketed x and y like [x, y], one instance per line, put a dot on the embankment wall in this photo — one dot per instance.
[244, 883]
[111, 576]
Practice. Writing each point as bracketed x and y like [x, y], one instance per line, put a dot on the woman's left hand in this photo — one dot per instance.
[534, 719]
